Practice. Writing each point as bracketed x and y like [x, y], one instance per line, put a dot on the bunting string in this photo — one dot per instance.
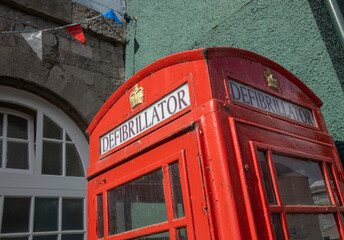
[109, 14]
[34, 36]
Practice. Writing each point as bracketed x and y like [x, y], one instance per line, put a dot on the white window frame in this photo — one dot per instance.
[30, 140]
[16, 184]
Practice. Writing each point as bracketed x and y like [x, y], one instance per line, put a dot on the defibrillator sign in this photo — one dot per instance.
[160, 110]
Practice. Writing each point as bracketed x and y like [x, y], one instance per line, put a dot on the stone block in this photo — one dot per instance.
[39, 71]
[7, 40]
[21, 63]
[80, 49]
[49, 39]
[61, 10]
[67, 57]
[5, 24]
[57, 80]
[103, 86]
[88, 64]
[107, 46]
[108, 69]
[92, 41]
[50, 53]
[6, 61]
[82, 74]
[31, 20]
[63, 43]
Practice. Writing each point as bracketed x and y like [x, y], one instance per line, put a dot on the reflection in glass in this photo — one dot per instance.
[177, 191]
[73, 162]
[50, 237]
[1, 124]
[312, 226]
[17, 155]
[0, 153]
[52, 158]
[100, 217]
[277, 225]
[136, 204]
[73, 237]
[17, 127]
[182, 234]
[333, 186]
[15, 217]
[157, 236]
[267, 177]
[14, 238]
[301, 182]
[51, 129]
[46, 214]
[72, 214]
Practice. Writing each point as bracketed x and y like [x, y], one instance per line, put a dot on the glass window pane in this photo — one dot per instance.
[312, 226]
[157, 236]
[73, 162]
[333, 185]
[301, 182]
[72, 214]
[136, 204]
[73, 237]
[68, 138]
[16, 215]
[17, 155]
[17, 127]
[177, 191]
[277, 225]
[264, 166]
[52, 158]
[100, 217]
[46, 214]
[14, 238]
[1, 124]
[0, 153]
[182, 234]
[50, 237]
[51, 129]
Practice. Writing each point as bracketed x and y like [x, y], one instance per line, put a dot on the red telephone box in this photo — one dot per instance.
[215, 143]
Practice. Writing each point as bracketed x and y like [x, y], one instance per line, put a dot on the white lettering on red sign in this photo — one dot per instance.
[166, 107]
[261, 100]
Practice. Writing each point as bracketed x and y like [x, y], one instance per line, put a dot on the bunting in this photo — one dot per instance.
[76, 31]
[34, 37]
[35, 41]
[111, 14]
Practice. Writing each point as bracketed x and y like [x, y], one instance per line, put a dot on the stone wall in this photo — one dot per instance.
[77, 78]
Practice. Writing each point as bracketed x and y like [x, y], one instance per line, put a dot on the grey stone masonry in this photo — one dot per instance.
[77, 78]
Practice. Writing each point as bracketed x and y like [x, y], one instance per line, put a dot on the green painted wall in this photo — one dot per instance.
[297, 34]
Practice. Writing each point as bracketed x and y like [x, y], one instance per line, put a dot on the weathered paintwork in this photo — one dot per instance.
[214, 138]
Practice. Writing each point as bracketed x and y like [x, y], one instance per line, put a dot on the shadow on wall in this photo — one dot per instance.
[331, 39]
[340, 149]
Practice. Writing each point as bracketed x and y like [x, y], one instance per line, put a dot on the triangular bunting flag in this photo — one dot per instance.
[77, 32]
[111, 14]
[34, 39]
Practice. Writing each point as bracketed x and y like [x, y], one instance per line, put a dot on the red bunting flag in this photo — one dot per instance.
[77, 32]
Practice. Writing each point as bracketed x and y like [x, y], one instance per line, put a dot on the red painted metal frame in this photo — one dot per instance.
[121, 175]
[282, 209]
[215, 140]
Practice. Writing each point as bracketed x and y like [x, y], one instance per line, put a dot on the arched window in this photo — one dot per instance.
[43, 161]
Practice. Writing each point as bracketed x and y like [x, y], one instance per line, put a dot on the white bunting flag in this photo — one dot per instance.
[34, 39]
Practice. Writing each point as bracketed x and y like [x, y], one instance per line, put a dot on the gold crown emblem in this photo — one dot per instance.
[136, 97]
[271, 79]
